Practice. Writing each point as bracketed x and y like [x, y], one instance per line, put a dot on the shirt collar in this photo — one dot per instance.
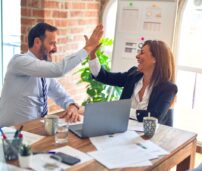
[29, 53]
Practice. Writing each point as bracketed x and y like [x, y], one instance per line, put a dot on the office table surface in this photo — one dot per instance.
[181, 145]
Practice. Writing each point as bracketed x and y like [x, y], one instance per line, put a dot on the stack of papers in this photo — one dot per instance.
[120, 157]
[8, 167]
[120, 139]
[125, 150]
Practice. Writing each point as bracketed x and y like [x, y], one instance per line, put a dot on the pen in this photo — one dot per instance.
[18, 131]
[3, 134]
[45, 152]
[139, 144]
[6, 140]
[132, 118]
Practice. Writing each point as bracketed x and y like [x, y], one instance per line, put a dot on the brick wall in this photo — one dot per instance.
[74, 18]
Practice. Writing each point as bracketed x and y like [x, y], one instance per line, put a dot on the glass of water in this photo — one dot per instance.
[61, 136]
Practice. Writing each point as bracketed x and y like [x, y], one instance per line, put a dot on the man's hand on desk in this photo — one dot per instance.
[72, 113]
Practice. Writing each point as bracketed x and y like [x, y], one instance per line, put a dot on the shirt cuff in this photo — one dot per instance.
[75, 104]
[95, 66]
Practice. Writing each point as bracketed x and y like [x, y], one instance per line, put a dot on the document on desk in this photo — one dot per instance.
[28, 137]
[133, 114]
[152, 148]
[135, 125]
[122, 156]
[42, 161]
[8, 167]
[122, 145]
[108, 141]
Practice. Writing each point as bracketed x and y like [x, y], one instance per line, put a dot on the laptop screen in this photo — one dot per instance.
[104, 118]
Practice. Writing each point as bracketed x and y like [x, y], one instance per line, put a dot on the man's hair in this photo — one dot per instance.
[39, 31]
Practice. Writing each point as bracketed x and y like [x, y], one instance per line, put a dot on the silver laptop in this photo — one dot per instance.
[103, 118]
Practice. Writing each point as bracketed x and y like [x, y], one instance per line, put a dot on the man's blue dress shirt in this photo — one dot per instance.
[22, 96]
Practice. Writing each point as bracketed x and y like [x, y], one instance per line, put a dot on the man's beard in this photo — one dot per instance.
[44, 55]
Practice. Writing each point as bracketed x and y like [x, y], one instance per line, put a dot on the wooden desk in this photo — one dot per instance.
[181, 144]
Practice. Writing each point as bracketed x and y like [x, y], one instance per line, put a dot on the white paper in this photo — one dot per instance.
[28, 137]
[133, 114]
[8, 167]
[109, 141]
[135, 126]
[122, 156]
[113, 150]
[128, 25]
[39, 161]
[153, 148]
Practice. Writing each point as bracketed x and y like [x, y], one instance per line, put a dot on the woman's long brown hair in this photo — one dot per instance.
[165, 65]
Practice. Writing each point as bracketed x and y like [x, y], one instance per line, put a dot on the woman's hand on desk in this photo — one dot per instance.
[71, 114]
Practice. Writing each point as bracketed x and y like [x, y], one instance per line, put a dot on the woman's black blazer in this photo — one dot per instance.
[160, 99]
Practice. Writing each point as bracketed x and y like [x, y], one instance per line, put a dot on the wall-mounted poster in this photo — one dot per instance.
[137, 21]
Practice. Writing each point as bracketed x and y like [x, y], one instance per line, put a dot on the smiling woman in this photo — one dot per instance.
[150, 85]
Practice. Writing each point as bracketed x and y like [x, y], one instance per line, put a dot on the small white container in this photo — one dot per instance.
[24, 161]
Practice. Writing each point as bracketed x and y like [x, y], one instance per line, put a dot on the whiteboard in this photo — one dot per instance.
[137, 21]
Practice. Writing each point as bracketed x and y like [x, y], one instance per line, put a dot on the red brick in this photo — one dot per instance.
[59, 14]
[93, 6]
[61, 23]
[27, 21]
[77, 30]
[91, 14]
[51, 4]
[50, 21]
[38, 13]
[62, 40]
[24, 47]
[78, 6]
[82, 22]
[76, 14]
[26, 11]
[23, 3]
[88, 21]
[67, 5]
[73, 22]
[62, 31]
[34, 3]
[47, 14]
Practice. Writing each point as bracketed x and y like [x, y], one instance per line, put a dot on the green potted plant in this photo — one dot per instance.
[97, 91]
[24, 155]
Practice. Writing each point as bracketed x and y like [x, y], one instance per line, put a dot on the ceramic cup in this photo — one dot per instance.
[51, 122]
[150, 125]
[24, 161]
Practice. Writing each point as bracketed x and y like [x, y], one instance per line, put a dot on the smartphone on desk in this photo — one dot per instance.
[65, 158]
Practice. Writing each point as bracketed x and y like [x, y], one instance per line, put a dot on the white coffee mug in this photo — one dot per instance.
[51, 122]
